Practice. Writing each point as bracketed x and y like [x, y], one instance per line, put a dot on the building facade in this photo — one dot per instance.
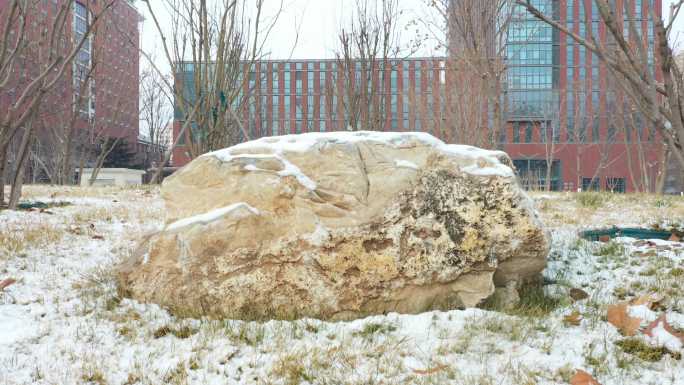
[104, 81]
[292, 97]
[97, 97]
[568, 120]
[569, 126]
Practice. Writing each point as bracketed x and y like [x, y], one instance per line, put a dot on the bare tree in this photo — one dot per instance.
[35, 54]
[370, 48]
[475, 42]
[156, 112]
[65, 133]
[212, 48]
[655, 87]
[78, 133]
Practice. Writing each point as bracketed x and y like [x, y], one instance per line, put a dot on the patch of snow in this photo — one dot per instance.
[405, 164]
[546, 196]
[474, 169]
[14, 325]
[210, 216]
[289, 169]
[643, 312]
[490, 159]
[661, 337]
[307, 141]
[485, 162]
[292, 170]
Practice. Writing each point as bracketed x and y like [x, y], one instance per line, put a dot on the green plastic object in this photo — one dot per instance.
[32, 205]
[631, 232]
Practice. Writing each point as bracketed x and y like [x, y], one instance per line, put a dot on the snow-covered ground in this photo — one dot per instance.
[62, 321]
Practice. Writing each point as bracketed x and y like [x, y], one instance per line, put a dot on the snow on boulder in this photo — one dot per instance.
[338, 226]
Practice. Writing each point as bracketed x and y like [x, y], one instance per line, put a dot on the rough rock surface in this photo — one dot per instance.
[338, 226]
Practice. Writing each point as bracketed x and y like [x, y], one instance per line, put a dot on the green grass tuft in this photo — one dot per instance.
[645, 351]
[591, 199]
[610, 249]
[535, 302]
[373, 328]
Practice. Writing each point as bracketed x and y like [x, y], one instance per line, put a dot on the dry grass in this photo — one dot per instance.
[118, 212]
[605, 209]
[18, 236]
[40, 191]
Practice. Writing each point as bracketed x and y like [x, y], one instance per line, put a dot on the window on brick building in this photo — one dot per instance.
[533, 174]
[616, 185]
[528, 132]
[516, 132]
[590, 184]
[82, 80]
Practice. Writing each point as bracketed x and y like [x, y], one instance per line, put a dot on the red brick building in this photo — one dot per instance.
[568, 127]
[99, 92]
[566, 112]
[298, 96]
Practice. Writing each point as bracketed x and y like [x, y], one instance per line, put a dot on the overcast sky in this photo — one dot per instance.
[318, 22]
[314, 24]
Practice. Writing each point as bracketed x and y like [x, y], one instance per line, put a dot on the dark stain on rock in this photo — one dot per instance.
[371, 245]
[438, 196]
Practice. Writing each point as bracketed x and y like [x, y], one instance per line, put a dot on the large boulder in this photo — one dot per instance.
[338, 226]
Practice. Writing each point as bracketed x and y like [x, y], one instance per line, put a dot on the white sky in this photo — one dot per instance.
[318, 22]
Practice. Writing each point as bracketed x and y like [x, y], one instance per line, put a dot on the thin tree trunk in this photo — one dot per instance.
[645, 179]
[65, 173]
[630, 168]
[81, 166]
[549, 161]
[167, 157]
[22, 158]
[661, 178]
[3, 170]
[42, 165]
[101, 159]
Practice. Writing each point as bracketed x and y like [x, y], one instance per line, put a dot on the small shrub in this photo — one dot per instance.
[249, 333]
[183, 332]
[178, 375]
[125, 331]
[534, 302]
[610, 249]
[662, 203]
[94, 376]
[373, 328]
[132, 379]
[291, 369]
[645, 351]
[162, 332]
[112, 303]
[311, 328]
[591, 199]
[193, 364]
[648, 272]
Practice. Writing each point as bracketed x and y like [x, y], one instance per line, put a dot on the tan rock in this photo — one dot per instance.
[338, 226]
